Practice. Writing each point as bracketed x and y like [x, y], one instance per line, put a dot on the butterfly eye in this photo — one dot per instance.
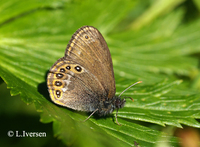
[68, 67]
[62, 70]
[78, 68]
[86, 37]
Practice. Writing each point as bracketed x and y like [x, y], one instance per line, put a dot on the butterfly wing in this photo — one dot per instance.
[86, 72]
[88, 48]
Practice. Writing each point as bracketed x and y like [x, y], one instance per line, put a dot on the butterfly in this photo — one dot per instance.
[83, 79]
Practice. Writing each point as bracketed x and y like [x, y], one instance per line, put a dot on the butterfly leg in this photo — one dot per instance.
[116, 118]
[91, 115]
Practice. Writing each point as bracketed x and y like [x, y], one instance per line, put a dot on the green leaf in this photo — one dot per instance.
[34, 34]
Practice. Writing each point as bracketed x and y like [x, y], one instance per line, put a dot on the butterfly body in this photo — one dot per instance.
[84, 78]
[107, 106]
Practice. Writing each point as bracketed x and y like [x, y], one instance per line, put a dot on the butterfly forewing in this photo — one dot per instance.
[88, 48]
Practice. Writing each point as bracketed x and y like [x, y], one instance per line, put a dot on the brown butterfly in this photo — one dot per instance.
[84, 79]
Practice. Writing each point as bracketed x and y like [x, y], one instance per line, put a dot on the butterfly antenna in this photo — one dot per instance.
[130, 87]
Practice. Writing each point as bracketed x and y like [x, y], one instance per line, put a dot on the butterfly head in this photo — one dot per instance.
[119, 103]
